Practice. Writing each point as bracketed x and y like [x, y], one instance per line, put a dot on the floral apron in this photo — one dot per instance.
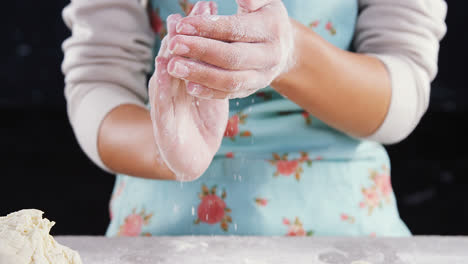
[279, 171]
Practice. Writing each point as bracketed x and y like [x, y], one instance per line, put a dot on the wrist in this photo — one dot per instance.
[295, 61]
[157, 167]
[126, 143]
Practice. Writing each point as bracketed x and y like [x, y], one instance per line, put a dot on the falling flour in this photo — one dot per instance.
[25, 239]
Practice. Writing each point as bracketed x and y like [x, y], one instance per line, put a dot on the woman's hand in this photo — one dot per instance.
[233, 56]
[188, 130]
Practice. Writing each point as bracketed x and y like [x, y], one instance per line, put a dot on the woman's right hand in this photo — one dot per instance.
[188, 130]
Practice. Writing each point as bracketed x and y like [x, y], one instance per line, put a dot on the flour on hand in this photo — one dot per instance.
[25, 239]
[188, 130]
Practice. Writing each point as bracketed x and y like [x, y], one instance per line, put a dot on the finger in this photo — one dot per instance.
[252, 5]
[214, 8]
[236, 28]
[163, 50]
[161, 81]
[162, 108]
[172, 21]
[214, 77]
[160, 93]
[204, 8]
[203, 92]
[232, 56]
[154, 83]
[201, 8]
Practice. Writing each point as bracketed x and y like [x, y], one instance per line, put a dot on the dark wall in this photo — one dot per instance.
[43, 167]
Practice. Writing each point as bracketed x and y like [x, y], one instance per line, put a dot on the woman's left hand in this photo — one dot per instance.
[233, 56]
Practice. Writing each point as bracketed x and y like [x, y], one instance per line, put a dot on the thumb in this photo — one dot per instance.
[247, 6]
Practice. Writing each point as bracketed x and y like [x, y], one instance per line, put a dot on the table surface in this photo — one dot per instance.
[269, 250]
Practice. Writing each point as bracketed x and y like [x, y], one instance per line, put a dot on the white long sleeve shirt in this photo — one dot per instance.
[109, 54]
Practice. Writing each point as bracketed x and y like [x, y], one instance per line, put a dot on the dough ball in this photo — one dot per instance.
[25, 239]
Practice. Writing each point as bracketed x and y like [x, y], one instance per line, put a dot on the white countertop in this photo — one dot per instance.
[269, 250]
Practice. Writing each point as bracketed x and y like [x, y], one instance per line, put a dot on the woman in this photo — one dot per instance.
[299, 157]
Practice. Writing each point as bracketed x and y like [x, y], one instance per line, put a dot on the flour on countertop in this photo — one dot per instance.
[181, 245]
[251, 261]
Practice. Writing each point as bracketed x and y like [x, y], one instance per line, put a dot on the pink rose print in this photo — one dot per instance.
[246, 134]
[347, 218]
[230, 155]
[132, 226]
[265, 95]
[296, 228]
[371, 199]
[383, 183]
[134, 223]
[330, 28]
[232, 128]
[213, 209]
[261, 202]
[307, 117]
[287, 167]
[314, 24]
[381, 189]
[186, 6]
[157, 24]
[371, 196]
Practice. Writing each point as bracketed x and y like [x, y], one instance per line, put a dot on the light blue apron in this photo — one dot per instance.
[279, 171]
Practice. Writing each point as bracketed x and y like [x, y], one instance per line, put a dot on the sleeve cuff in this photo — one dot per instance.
[93, 108]
[402, 116]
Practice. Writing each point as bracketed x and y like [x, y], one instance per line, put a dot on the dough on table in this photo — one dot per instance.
[25, 239]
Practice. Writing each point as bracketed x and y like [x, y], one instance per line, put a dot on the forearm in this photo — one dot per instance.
[348, 91]
[126, 144]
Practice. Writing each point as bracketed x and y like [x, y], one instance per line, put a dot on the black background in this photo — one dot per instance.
[43, 167]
